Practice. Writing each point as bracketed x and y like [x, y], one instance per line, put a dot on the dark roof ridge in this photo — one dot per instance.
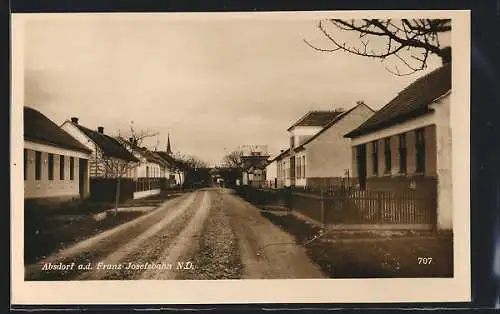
[333, 122]
[412, 101]
[332, 114]
[39, 128]
[108, 144]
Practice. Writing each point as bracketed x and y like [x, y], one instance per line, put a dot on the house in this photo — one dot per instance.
[55, 164]
[254, 159]
[283, 168]
[406, 145]
[271, 172]
[148, 172]
[105, 150]
[174, 170]
[319, 155]
[324, 158]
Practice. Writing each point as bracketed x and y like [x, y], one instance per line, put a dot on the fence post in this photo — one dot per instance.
[322, 200]
[379, 207]
[434, 211]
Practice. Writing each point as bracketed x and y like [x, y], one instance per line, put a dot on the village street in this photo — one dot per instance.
[206, 234]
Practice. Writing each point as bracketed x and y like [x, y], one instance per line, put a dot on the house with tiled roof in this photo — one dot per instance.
[55, 163]
[105, 149]
[174, 169]
[406, 145]
[148, 172]
[319, 154]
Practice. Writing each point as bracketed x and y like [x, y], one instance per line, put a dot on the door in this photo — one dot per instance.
[82, 177]
[361, 158]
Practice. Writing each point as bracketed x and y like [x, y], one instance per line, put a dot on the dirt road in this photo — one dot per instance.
[206, 234]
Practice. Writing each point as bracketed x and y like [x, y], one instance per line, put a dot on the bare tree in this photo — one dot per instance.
[407, 41]
[193, 162]
[137, 137]
[118, 168]
[233, 160]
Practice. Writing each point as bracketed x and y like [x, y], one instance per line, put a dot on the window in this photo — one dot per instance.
[38, 165]
[51, 166]
[387, 155]
[292, 142]
[25, 164]
[61, 167]
[147, 171]
[298, 167]
[303, 166]
[402, 153]
[375, 158]
[420, 149]
[71, 168]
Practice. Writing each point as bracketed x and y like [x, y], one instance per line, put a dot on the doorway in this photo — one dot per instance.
[361, 163]
[83, 177]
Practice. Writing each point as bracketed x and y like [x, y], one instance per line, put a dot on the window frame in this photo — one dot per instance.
[50, 166]
[62, 166]
[25, 165]
[375, 168]
[420, 150]
[387, 155]
[304, 166]
[71, 168]
[403, 153]
[38, 165]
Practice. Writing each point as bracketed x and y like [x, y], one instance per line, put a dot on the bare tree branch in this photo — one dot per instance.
[416, 37]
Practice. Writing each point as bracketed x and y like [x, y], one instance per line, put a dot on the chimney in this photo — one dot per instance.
[446, 55]
[74, 120]
[100, 129]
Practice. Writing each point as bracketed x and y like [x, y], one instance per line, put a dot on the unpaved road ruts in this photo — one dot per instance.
[218, 233]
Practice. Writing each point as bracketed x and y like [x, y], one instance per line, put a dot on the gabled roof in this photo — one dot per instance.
[315, 118]
[256, 162]
[411, 102]
[39, 128]
[332, 123]
[110, 147]
[283, 153]
[150, 156]
[169, 159]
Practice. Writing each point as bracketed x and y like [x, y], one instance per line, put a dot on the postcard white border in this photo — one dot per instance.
[258, 291]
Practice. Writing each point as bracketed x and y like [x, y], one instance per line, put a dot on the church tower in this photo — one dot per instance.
[169, 149]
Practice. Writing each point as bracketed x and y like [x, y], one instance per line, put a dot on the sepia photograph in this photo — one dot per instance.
[228, 147]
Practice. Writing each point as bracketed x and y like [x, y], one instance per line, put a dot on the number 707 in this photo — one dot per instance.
[424, 260]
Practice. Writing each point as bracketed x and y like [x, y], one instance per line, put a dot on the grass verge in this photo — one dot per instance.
[352, 256]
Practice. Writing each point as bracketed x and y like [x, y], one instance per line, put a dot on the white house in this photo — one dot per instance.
[283, 168]
[271, 173]
[254, 159]
[406, 145]
[318, 154]
[324, 158]
[103, 147]
[55, 164]
[148, 172]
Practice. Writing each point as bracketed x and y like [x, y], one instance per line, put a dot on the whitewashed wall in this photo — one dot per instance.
[45, 188]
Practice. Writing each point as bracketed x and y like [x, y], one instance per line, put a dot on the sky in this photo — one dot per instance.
[212, 84]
